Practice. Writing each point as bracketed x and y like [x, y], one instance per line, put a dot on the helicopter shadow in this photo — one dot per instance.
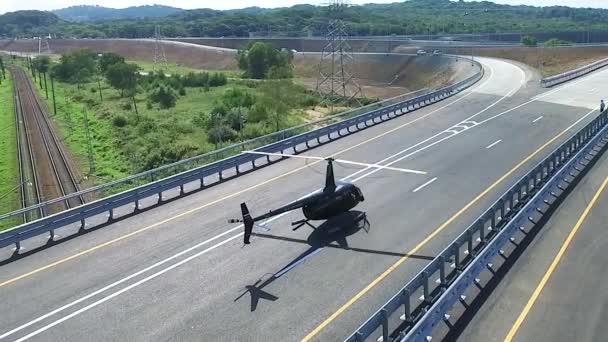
[335, 229]
[332, 233]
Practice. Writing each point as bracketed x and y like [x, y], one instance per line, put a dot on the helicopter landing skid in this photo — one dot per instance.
[300, 224]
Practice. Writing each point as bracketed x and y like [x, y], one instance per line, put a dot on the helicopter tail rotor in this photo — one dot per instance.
[247, 222]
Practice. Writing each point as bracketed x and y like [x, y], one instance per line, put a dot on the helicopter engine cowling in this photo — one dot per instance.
[345, 197]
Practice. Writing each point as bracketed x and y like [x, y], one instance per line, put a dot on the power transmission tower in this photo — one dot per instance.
[47, 47]
[159, 51]
[335, 83]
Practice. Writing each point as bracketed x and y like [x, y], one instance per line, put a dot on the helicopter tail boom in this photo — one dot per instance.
[247, 222]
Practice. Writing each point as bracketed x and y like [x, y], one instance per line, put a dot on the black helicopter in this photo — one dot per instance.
[334, 199]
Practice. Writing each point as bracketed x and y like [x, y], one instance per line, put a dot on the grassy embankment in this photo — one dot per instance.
[173, 68]
[9, 164]
[124, 142]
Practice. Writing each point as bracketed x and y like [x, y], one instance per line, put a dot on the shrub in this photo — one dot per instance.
[119, 121]
[221, 133]
[182, 92]
[254, 130]
[127, 106]
[93, 90]
[217, 79]
[164, 96]
[556, 42]
[279, 72]
[528, 41]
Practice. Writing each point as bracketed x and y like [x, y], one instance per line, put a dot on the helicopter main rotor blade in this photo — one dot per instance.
[381, 167]
[339, 161]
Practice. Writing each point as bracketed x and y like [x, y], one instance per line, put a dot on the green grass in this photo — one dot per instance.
[173, 68]
[155, 136]
[171, 133]
[9, 164]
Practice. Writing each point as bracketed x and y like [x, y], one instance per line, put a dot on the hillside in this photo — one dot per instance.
[99, 13]
[403, 18]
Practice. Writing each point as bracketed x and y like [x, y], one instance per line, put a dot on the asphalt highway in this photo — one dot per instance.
[180, 272]
[557, 289]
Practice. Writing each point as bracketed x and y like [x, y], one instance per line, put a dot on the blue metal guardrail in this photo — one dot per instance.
[425, 301]
[572, 74]
[238, 163]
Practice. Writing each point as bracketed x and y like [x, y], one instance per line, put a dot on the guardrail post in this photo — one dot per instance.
[470, 241]
[457, 257]
[482, 231]
[425, 287]
[384, 314]
[17, 246]
[110, 214]
[52, 234]
[181, 187]
[405, 298]
[221, 175]
[442, 281]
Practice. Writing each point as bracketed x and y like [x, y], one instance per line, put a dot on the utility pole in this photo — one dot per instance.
[46, 89]
[89, 144]
[53, 92]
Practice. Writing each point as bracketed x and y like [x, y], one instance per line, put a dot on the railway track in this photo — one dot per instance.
[48, 164]
[30, 190]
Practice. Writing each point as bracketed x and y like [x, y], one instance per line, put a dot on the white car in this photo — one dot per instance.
[436, 52]
[421, 52]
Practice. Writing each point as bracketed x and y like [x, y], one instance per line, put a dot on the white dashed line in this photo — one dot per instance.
[538, 119]
[424, 185]
[494, 144]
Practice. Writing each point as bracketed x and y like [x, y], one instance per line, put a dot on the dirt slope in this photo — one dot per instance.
[381, 75]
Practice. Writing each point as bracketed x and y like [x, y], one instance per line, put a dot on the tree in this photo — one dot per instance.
[108, 59]
[528, 41]
[123, 77]
[164, 96]
[2, 67]
[260, 57]
[276, 100]
[42, 64]
[75, 67]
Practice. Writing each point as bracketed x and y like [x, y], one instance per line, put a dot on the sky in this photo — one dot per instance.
[15, 5]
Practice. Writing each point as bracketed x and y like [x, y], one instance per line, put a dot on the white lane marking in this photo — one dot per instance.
[567, 85]
[494, 144]
[120, 281]
[538, 119]
[105, 299]
[593, 90]
[195, 247]
[424, 185]
[491, 118]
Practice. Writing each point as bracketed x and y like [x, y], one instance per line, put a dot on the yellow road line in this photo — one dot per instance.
[413, 251]
[139, 231]
[553, 266]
